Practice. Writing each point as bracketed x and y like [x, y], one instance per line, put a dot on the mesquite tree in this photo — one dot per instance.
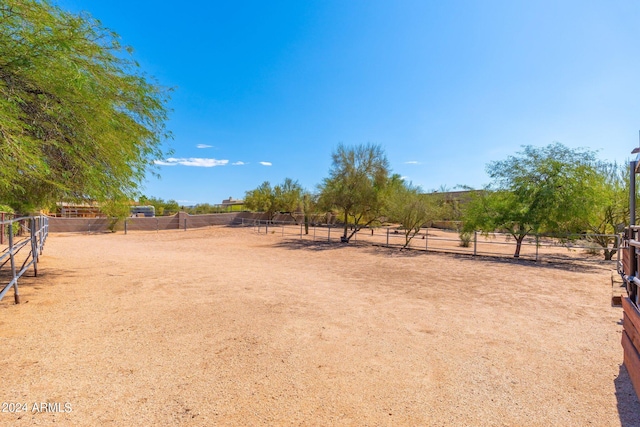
[356, 185]
[285, 197]
[78, 119]
[548, 189]
[410, 207]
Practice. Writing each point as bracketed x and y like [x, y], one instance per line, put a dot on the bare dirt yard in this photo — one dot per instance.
[222, 326]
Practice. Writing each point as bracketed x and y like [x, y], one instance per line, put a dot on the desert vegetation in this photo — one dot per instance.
[551, 190]
[81, 121]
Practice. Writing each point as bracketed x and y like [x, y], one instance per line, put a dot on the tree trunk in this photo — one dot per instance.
[608, 254]
[293, 217]
[519, 240]
[407, 239]
[346, 218]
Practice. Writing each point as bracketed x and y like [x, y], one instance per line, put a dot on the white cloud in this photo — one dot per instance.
[204, 146]
[163, 163]
[412, 162]
[238, 163]
[265, 163]
[192, 161]
[404, 178]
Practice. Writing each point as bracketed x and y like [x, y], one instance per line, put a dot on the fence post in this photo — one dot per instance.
[2, 233]
[537, 246]
[475, 243]
[185, 224]
[34, 245]
[329, 233]
[16, 295]
[43, 230]
[300, 231]
[125, 226]
[426, 240]
[387, 236]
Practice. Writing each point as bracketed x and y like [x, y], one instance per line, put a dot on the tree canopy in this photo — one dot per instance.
[356, 183]
[609, 211]
[407, 205]
[285, 197]
[546, 189]
[78, 120]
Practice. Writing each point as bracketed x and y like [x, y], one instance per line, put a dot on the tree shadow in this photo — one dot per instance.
[396, 252]
[310, 245]
[628, 404]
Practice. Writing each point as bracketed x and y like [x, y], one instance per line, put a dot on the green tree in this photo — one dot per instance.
[117, 211]
[261, 199]
[309, 207]
[285, 197]
[202, 208]
[544, 189]
[407, 205]
[609, 210]
[288, 197]
[171, 207]
[356, 184]
[78, 120]
[489, 210]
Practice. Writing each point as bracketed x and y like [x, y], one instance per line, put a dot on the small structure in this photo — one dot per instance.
[78, 210]
[143, 211]
[231, 201]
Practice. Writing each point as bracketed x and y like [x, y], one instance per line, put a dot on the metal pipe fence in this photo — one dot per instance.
[25, 232]
[533, 247]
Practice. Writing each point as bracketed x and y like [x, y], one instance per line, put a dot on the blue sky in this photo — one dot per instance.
[265, 90]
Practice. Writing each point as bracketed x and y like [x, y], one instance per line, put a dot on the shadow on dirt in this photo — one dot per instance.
[28, 283]
[628, 404]
[556, 264]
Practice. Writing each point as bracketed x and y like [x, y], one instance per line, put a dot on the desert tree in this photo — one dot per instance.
[285, 197]
[288, 197]
[496, 210]
[171, 207]
[261, 199]
[202, 208]
[355, 186]
[309, 207]
[410, 207]
[78, 119]
[609, 211]
[545, 189]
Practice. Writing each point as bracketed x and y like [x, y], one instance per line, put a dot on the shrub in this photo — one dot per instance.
[465, 238]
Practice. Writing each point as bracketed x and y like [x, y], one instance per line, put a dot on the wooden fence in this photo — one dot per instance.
[628, 269]
[25, 239]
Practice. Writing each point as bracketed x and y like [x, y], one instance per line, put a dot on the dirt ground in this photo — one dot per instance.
[223, 326]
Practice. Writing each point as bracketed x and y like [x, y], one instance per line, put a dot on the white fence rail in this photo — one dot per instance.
[534, 247]
[25, 239]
